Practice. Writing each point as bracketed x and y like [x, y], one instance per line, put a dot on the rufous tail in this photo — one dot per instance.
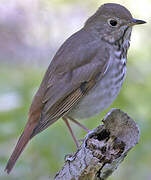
[22, 142]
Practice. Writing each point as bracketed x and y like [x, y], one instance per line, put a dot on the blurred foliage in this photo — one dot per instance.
[44, 156]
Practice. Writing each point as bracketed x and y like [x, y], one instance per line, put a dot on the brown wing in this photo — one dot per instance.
[78, 61]
[62, 107]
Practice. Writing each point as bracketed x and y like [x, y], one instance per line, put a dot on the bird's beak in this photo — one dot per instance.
[136, 22]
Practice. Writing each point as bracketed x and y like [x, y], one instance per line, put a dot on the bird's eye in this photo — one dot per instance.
[112, 22]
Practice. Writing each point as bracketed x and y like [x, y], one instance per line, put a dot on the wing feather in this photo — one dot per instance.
[58, 112]
[79, 60]
[63, 107]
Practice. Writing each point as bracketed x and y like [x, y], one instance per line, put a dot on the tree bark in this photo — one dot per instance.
[103, 149]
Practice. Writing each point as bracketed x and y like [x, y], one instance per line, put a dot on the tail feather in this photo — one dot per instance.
[21, 144]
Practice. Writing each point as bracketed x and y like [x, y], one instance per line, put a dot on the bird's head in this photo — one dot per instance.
[113, 22]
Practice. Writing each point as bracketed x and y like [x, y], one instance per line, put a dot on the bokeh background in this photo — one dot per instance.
[31, 31]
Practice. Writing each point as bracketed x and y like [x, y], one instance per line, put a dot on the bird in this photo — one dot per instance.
[85, 75]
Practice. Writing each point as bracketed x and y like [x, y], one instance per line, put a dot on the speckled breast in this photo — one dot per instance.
[104, 93]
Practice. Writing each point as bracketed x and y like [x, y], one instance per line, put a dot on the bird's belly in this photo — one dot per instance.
[102, 95]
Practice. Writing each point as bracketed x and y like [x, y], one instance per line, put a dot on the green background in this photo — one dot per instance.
[48, 24]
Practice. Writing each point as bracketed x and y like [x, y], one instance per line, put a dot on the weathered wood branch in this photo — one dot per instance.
[103, 149]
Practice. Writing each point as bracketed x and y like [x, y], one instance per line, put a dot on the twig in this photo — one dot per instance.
[103, 149]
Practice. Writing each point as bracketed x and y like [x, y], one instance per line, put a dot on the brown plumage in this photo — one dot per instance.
[80, 65]
[60, 88]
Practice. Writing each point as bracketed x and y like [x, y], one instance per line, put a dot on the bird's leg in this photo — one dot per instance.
[72, 134]
[79, 124]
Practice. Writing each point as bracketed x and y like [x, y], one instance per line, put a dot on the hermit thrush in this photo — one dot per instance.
[85, 75]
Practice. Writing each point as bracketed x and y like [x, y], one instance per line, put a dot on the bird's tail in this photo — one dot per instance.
[22, 142]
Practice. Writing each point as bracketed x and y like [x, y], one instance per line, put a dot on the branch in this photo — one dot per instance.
[103, 149]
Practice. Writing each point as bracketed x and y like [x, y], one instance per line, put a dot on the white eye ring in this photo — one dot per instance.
[112, 22]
